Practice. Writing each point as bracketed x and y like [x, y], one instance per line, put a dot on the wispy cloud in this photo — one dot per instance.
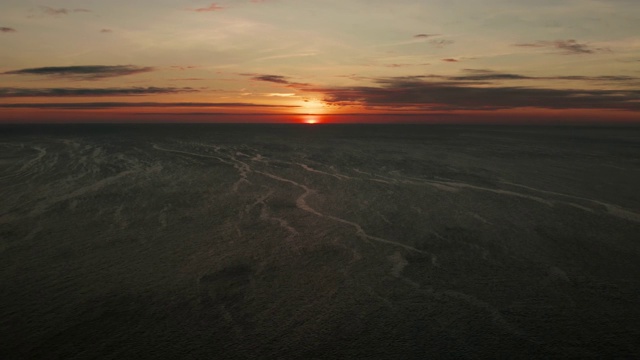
[87, 72]
[489, 75]
[61, 11]
[440, 43]
[183, 67]
[278, 79]
[281, 94]
[566, 47]
[7, 29]
[92, 92]
[112, 105]
[450, 60]
[188, 79]
[421, 39]
[420, 94]
[486, 75]
[106, 31]
[602, 78]
[396, 65]
[210, 8]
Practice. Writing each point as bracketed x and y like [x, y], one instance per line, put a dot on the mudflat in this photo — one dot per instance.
[331, 241]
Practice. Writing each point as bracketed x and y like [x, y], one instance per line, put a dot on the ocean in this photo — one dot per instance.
[185, 241]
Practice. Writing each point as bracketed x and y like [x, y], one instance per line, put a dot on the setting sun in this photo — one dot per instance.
[311, 119]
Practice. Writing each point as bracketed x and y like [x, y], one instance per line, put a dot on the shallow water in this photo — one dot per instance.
[223, 241]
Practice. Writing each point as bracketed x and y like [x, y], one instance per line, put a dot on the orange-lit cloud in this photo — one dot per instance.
[210, 8]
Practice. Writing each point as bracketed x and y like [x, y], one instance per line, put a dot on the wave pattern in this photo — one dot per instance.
[295, 244]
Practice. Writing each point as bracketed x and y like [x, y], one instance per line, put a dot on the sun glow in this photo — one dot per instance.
[312, 106]
[311, 119]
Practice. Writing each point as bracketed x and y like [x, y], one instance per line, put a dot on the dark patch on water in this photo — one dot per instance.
[226, 286]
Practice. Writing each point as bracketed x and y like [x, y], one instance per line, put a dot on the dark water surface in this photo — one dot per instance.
[258, 241]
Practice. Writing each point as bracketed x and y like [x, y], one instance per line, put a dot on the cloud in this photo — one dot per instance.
[60, 11]
[489, 75]
[73, 92]
[106, 31]
[210, 8]
[188, 79]
[281, 94]
[183, 67]
[566, 47]
[51, 11]
[7, 29]
[424, 36]
[86, 72]
[278, 79]
[441, 42]
[115, 105]
[418, 93]
[605, 78]
[450, 60]
[394, 65]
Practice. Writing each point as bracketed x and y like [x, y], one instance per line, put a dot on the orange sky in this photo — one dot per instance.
[343, 61]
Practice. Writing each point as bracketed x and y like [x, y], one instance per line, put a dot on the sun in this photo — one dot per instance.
[311, 119]
[311, 111]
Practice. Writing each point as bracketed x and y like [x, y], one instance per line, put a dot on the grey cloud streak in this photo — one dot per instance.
[489, 75]
[415, 92]
[278, 79]
[112, 105]
[79, 92]
[566, 47]
[84, 72]
[60, 11]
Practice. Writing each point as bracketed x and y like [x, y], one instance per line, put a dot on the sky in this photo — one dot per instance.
[325, 61]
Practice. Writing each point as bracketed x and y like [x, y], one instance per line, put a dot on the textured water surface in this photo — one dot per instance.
[399, 242]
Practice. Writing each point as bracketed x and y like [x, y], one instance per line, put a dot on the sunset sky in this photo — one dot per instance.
[339, 60]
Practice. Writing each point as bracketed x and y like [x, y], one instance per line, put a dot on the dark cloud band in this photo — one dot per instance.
[272, 78]
[115, 105]
[71, 92]
[86, 72]
[488, 75]
[417, 93]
